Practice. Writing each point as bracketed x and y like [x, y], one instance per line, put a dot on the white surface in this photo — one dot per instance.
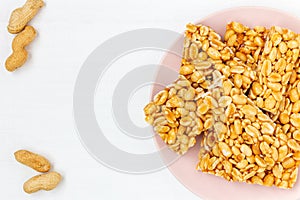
[36, 101]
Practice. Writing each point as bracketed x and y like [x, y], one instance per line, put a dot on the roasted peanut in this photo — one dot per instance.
[35, 161]
[47, 182]
[19, 55]
[21, 16]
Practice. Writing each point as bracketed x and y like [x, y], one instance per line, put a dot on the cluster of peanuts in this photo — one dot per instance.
[244, 106]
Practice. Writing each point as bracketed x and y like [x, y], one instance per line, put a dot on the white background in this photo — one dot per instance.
[36, 101]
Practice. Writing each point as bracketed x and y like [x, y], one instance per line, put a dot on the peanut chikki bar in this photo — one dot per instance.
[175, 115]
[175, 133]
[275, 52]
[178, 136]
[249, 146]
[240, 142]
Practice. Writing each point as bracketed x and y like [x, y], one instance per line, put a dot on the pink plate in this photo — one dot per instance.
[210, 187]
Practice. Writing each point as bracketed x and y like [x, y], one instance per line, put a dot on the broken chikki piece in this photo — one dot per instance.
[274, 53]
[174, 114]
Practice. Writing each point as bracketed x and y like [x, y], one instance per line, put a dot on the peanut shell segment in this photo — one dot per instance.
[21, 16]
[45, 182]
[32, 160]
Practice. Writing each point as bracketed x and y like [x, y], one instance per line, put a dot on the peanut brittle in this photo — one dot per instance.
[245, 105]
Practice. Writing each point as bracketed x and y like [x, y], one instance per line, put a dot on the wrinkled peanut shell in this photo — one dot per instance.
[19, 55]
[35, 161]
[21, 16]
[46, 182]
